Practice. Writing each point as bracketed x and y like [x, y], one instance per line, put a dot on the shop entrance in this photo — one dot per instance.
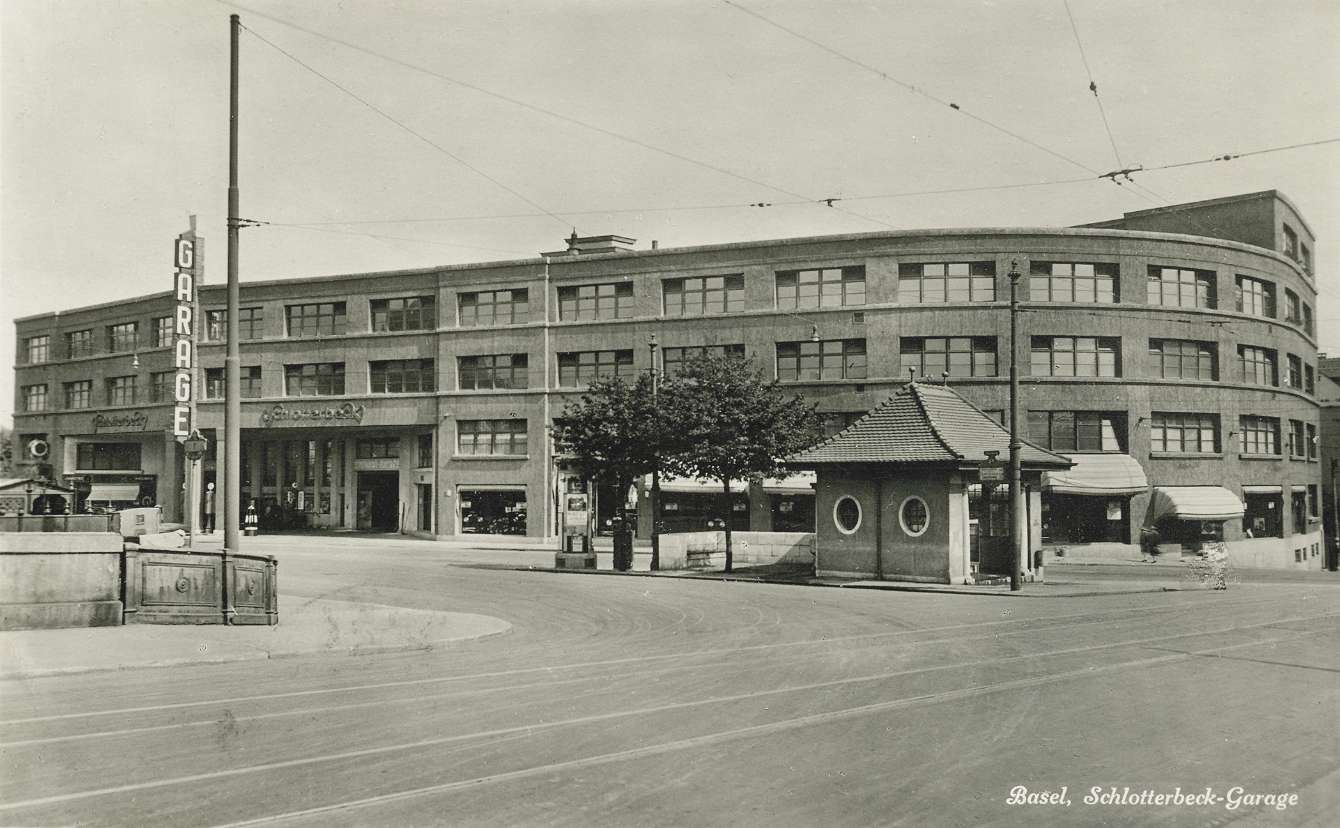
[493, 512]
[1085, 519]
[378, 501]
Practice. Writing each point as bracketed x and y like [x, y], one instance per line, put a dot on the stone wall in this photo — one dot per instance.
[60, 579]
[707, 550]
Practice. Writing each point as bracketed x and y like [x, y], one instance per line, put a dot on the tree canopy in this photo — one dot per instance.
[609, 434]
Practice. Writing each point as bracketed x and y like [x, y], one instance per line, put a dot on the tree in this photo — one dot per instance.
[6, 450]
[609, 433]
[727, 421]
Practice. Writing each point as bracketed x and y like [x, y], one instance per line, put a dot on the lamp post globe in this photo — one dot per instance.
[195, 445]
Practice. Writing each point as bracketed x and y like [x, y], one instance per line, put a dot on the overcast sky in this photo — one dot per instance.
[665, 120]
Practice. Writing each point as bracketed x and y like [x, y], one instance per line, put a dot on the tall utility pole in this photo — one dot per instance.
[1016, 482]
[232, 410]
[654, 501]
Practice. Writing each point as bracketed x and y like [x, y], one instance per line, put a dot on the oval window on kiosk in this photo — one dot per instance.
[847, 515]
[914, 516]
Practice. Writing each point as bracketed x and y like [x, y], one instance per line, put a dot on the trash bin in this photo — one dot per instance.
[623, 550]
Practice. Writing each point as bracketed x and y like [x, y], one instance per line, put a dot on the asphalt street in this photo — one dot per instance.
[663, 701]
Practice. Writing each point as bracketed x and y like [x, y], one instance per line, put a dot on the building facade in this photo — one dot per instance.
[1181, 339]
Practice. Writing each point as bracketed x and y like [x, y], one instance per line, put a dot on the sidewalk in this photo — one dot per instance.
[305, 626]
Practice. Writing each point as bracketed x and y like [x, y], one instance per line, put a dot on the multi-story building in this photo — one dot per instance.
[1171, 347]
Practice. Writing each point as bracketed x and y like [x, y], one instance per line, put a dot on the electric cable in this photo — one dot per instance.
[1093, 86]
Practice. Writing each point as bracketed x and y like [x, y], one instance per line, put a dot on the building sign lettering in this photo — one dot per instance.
[283, 414]
[134, 421]
[187, 260]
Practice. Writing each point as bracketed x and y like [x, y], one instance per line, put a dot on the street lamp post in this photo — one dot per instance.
[1016, 487]
[195, 446]
[654, 500]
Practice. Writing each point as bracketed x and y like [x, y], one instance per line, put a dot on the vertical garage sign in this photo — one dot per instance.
[186, 257]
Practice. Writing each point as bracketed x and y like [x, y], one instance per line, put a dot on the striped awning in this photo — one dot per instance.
[1098, 474]
[1195, 503]
[798, 483]
[114, 493]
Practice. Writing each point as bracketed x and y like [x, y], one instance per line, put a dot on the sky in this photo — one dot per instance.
[387, 134]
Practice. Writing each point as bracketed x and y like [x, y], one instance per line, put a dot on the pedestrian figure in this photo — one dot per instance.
[1149, 544]
[209, 509]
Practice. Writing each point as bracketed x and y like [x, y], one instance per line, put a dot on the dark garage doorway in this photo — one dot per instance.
[379, 501]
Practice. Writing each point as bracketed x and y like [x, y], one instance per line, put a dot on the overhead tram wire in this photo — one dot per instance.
[1093, 86]
[557, 115]
[425, 139]
[910, 87]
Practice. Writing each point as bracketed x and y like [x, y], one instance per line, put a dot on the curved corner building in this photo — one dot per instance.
[1171, 353]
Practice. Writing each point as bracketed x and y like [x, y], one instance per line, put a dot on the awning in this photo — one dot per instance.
[1195, 503]
[1254, 489]
[687, 485]
[798, 483]
[114, 492]
[1298, 488]
[1098, 474]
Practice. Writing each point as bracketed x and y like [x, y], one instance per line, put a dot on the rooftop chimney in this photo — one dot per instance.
[586, 245]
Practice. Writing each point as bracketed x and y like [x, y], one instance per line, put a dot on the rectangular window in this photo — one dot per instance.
[673, 359]
[928, 283]
[1076, 356]
[35, 397]
[1297, 438]
[494, 307]
[377, 449]
[1313, 506]
[1073, 282]
[402, 376]
[37, 349]
[1096, 431]
[1255, 297]
[960, 356]
[79, 394]
[698, 296]
[831, 359]
[1311, 437]
[1293, 377]
[613, 300]
[578, 368]
[831, 287]
[1298, 510]
[314, 379]
[317, 319]
[163, 331]
[123, 337]
[1184, 433]
[1305, 258]
[406, 313]
[216, 325]
[1307, 319]
[1290, 243]
[493, 371]
[108, 457]
[121, 390]
[423, 457]
[160, 386]
[79, 344]
[215, 380]
[1181, 288]
[1259, 435]
[496, 437]
[1309, 379]
[1260, 366]
[1184, 359]
[1293, 307]
[250, 323]
[251, 382]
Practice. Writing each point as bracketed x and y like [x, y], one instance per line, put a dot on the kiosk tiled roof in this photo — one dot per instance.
[923, 423]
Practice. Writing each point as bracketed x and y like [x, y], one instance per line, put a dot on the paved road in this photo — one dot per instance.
[618, 701]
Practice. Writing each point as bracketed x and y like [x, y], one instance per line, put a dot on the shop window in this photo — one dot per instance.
[701, 295]
[613, 300]
[1260, 366]
[35, 398]
[37, 349]
[960, 356]
[674, 359]
[1076, 356]
[108, 457]
[405, 313]
[317, 319]
[1180, 288]
[1263, 518]
[832, 287]
[914, 516]
[847, 515]
[494, 307]
[936, 283]
[1255, 297]
[578, 368]
[1073, 282]
[490, 512]
[829, 359]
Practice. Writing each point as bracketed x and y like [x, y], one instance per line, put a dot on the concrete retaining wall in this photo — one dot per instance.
[707, 550]
[60, 579]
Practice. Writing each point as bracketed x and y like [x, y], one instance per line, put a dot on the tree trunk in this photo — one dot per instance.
[730, 506]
